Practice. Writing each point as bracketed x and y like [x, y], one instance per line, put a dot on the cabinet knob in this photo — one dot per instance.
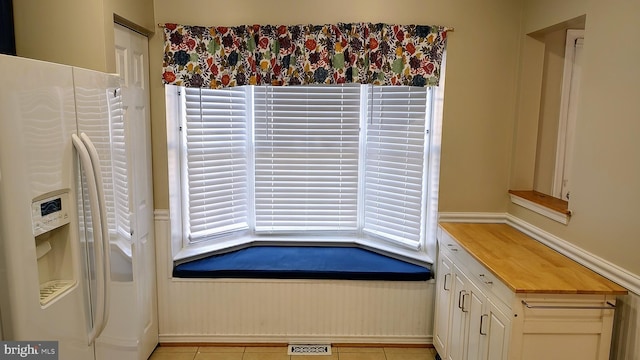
[488, 282]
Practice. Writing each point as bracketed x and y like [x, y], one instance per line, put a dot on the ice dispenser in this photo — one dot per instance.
[50, 218]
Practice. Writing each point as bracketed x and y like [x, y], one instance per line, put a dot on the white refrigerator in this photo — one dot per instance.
[68, 268]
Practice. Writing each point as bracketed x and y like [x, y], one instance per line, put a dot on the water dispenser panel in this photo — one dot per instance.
[50, 212]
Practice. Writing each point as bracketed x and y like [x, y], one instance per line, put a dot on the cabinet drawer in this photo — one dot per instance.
[486, 281]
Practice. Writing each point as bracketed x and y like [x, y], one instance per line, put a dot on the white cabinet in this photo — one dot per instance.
[532, 304]
[467, 323]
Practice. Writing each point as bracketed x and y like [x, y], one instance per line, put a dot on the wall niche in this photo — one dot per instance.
[548, 91]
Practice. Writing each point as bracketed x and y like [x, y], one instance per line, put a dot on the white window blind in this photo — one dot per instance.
[91, 110]
[215, 138]
[395, 163]
[306, 158]
[100, 116]
[119, 165]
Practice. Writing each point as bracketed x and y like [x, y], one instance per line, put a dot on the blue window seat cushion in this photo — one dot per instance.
[302, 262]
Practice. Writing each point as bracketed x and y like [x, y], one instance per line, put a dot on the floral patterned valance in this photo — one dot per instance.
[379, 54]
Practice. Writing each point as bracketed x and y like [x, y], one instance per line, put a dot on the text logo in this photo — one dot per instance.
[32, 350]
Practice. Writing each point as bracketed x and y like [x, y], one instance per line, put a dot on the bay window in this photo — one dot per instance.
[319, 164]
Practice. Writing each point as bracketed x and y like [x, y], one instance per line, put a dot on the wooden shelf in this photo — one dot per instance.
[547, 205]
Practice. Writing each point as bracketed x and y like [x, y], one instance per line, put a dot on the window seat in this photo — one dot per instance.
[302, 262]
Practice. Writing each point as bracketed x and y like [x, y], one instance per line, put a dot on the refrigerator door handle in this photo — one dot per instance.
[95, 160]
[98, 248]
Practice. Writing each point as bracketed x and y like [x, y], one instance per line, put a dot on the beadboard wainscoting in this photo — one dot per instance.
[283, 311]
[626, 328]
[288, 311]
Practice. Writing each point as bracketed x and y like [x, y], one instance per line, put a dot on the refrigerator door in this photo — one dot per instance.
[92, 188]
[44, 295]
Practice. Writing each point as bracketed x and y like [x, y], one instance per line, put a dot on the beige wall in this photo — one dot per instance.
[138, 12]
[529, 98]
[480, 91]
[541, 14]
[75, 32]
[606, 170]
[66, 31]
[554, 44]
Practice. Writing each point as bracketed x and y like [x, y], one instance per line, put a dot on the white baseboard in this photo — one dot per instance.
[294, 339]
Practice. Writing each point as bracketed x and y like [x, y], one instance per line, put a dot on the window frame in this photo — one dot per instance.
[182, 250]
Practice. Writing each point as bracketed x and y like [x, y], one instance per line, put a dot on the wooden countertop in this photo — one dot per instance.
[526, 265]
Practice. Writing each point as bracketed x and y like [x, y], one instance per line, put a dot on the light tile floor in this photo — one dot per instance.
[280, 353]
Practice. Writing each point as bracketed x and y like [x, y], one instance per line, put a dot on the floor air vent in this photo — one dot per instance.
[309, 349]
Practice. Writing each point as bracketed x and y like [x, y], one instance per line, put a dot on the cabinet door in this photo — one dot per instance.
[457, 331]
[495, 328]
[474, 306]
[444, 301]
